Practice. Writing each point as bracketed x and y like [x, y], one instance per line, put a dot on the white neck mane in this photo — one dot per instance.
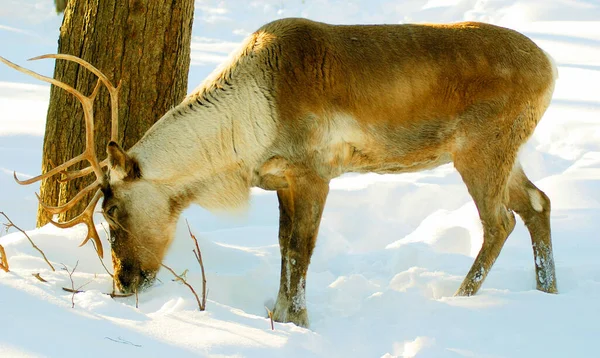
[208, 144]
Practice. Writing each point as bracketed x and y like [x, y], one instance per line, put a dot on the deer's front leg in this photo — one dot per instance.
[300, 209]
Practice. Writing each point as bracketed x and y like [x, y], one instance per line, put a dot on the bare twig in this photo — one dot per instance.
[37, 275]
[136, 299]
[200, 306]
[198, 255]
[85, 284]
[123, 341]
[104, 228]
[73, 290]
[119, 295]
[112, 295]
[3, 260]
[100, 258]
[270, 313]
[183, 274]
[11, 224]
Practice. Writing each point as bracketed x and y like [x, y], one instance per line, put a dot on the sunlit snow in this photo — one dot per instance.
[392, 249]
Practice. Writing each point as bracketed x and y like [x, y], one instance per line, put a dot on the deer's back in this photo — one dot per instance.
[392, 98]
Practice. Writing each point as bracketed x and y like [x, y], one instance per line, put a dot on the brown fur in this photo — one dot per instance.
[418, 96]
[303, 102]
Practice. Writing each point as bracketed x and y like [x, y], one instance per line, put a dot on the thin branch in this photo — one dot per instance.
[112, 295]
[85, 284]
[100, 258]
[37, 275]
[73, 290]
[123, 341]
[198, 255]
[187, 284]
[119, 295]
[183, 274]
[11, 224]
[270, 313]
[3, 260]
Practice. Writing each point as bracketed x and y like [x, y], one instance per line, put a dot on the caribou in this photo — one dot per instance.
[302, 102]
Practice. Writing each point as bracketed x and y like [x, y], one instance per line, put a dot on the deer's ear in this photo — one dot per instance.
[117, 158]
[121, 165]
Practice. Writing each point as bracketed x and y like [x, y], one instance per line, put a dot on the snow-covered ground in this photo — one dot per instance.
[391, 251]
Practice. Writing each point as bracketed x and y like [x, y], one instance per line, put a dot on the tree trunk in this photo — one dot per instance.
[143, 43]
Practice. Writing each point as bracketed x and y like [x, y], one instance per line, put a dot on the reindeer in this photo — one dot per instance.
[303, 102]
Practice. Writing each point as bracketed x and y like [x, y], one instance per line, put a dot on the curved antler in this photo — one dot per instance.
[69, 175]
[114, 106]
[112, 90]
[89, 154]
[86, 217]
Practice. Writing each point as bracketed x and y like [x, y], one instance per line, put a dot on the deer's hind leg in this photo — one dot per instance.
[486, 169]
[300, 209]
[533, 206]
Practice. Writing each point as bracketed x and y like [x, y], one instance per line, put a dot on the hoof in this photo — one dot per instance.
[465, 290]
[284, 313]
[299, 318]
[547, 289]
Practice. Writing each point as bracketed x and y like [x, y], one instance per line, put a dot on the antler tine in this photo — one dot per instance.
[61, 209]
[88, 111]
[86, 217]
[57, 83]
[112, 90]
[89, 154]
[74, 174]
[114, 102]
[52, 172]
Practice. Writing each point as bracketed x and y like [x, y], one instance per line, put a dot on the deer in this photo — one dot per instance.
[302, 102]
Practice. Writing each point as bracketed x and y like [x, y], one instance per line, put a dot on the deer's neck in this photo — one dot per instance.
[205, 148]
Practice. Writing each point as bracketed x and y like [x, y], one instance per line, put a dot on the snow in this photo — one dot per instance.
[392, 249]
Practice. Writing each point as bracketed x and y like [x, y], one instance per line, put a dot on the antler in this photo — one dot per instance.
[89, 154]
[114, 106]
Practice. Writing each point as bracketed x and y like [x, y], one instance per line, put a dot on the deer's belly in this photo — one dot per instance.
[340, 144]
[345, 144]
[329, 163]
[349, 157]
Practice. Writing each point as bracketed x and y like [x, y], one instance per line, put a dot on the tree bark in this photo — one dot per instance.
[143, 43]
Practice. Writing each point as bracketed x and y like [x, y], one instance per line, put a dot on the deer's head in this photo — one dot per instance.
[141, 214]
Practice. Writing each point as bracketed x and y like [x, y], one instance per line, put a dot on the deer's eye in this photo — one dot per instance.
[111, 211]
